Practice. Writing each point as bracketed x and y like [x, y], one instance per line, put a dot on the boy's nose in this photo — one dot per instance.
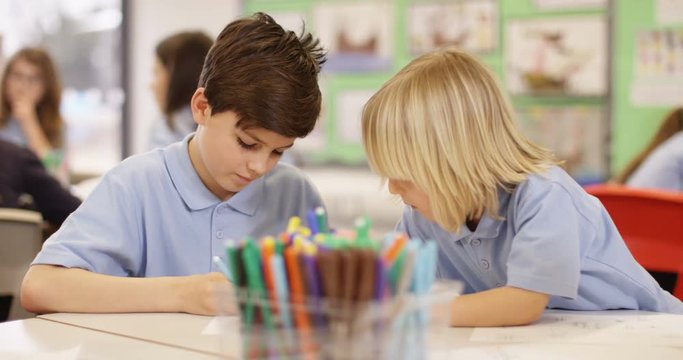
[257, 165]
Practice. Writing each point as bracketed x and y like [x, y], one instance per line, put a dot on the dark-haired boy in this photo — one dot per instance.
[144, 239]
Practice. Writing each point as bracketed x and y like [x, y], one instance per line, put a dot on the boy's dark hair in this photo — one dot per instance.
[265, 74]
[182, 55]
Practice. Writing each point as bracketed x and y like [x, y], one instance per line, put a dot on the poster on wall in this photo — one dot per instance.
[349, 110]
[468, 25]
[306, 147]
[290, 20]
[658, 68]
[575, 134]
[564, 56]
[357, 35]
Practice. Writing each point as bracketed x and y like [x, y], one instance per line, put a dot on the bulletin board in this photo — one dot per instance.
[369, 41]
[636, 113]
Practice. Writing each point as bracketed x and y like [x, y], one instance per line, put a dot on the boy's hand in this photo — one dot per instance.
[207, 294]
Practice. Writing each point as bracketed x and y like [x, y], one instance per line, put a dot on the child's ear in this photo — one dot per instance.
[200, 106]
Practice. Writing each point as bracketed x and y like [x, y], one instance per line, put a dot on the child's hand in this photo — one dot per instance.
[208, 294]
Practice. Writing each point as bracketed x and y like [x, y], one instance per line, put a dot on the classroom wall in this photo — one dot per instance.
[628, 127]
[632, 126]
[151, 21]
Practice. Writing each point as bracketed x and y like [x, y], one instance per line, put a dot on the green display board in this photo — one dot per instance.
[626, 127]
[632, 125]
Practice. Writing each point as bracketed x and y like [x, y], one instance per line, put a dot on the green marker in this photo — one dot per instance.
[321, 220]
[363, 233]
[257, 289]
[396, 270]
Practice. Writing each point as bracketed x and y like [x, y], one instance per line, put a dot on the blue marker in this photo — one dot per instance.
[312, 221]
[220, 265]
[282, 294]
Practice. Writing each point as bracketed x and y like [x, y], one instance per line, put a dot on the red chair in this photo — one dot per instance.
[651, 224]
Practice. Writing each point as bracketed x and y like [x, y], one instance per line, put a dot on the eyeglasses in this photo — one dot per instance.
[32, 80]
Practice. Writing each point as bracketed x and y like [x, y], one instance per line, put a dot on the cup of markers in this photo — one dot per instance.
[314, 293]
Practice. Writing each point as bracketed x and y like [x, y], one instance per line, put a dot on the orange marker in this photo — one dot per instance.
[267, 250]
[395, 249]
[297, 294]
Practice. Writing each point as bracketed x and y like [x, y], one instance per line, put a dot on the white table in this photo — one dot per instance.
[180, 330]
[42, 339]
[619, 335]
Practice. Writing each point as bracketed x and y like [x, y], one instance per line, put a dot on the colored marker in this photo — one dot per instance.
[220, 265]
[321, 218]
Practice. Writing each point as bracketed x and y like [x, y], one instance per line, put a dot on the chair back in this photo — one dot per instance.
[651, 224]
[20, 241]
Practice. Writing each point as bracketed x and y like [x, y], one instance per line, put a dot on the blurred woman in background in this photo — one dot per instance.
[178, 63]
[30, 96]
[660, 164]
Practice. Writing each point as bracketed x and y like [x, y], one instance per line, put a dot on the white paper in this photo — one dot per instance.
[569, 4]
[646, 329]
[349, 110]
[559, 56]
[467, 25]
[669, 11]
[219, 325]
[358, 35]
[657, 94]
[559, 352]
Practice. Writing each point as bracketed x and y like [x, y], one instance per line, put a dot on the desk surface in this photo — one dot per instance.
[181, 330]
[559, 334]
[42, 339]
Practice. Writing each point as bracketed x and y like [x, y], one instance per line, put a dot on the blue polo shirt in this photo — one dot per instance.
[663, 168]
[152, 216]
[553, 238]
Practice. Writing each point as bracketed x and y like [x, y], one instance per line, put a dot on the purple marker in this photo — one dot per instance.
[313, 285]
[380, 279]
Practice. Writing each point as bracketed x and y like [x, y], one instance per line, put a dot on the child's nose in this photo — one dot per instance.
[393, 187]
[258, 164]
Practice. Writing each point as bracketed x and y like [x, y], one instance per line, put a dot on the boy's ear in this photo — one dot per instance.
[200, 106]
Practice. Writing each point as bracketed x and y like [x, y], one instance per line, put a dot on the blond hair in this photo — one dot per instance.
[444, 124]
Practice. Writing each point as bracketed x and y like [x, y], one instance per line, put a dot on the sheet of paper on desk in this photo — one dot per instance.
[219, 325]
[558, 352]
[602, 328]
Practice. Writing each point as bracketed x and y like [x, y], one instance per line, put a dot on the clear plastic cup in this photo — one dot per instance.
[394, 328]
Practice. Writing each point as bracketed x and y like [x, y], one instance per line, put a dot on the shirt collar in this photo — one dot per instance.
[488, 227]
[195, 195]
[248, 199]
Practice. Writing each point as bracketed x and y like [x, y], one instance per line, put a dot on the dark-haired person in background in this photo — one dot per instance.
[660, 164]
[177, 66]
[21, 172]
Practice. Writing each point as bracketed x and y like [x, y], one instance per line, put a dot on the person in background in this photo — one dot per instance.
[30, 97]
[177, 66]
[144, 239]
[22, 173]
[660, 164]
[520, 233]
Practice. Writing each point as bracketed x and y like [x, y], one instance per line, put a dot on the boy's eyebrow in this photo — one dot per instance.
[263, 143]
